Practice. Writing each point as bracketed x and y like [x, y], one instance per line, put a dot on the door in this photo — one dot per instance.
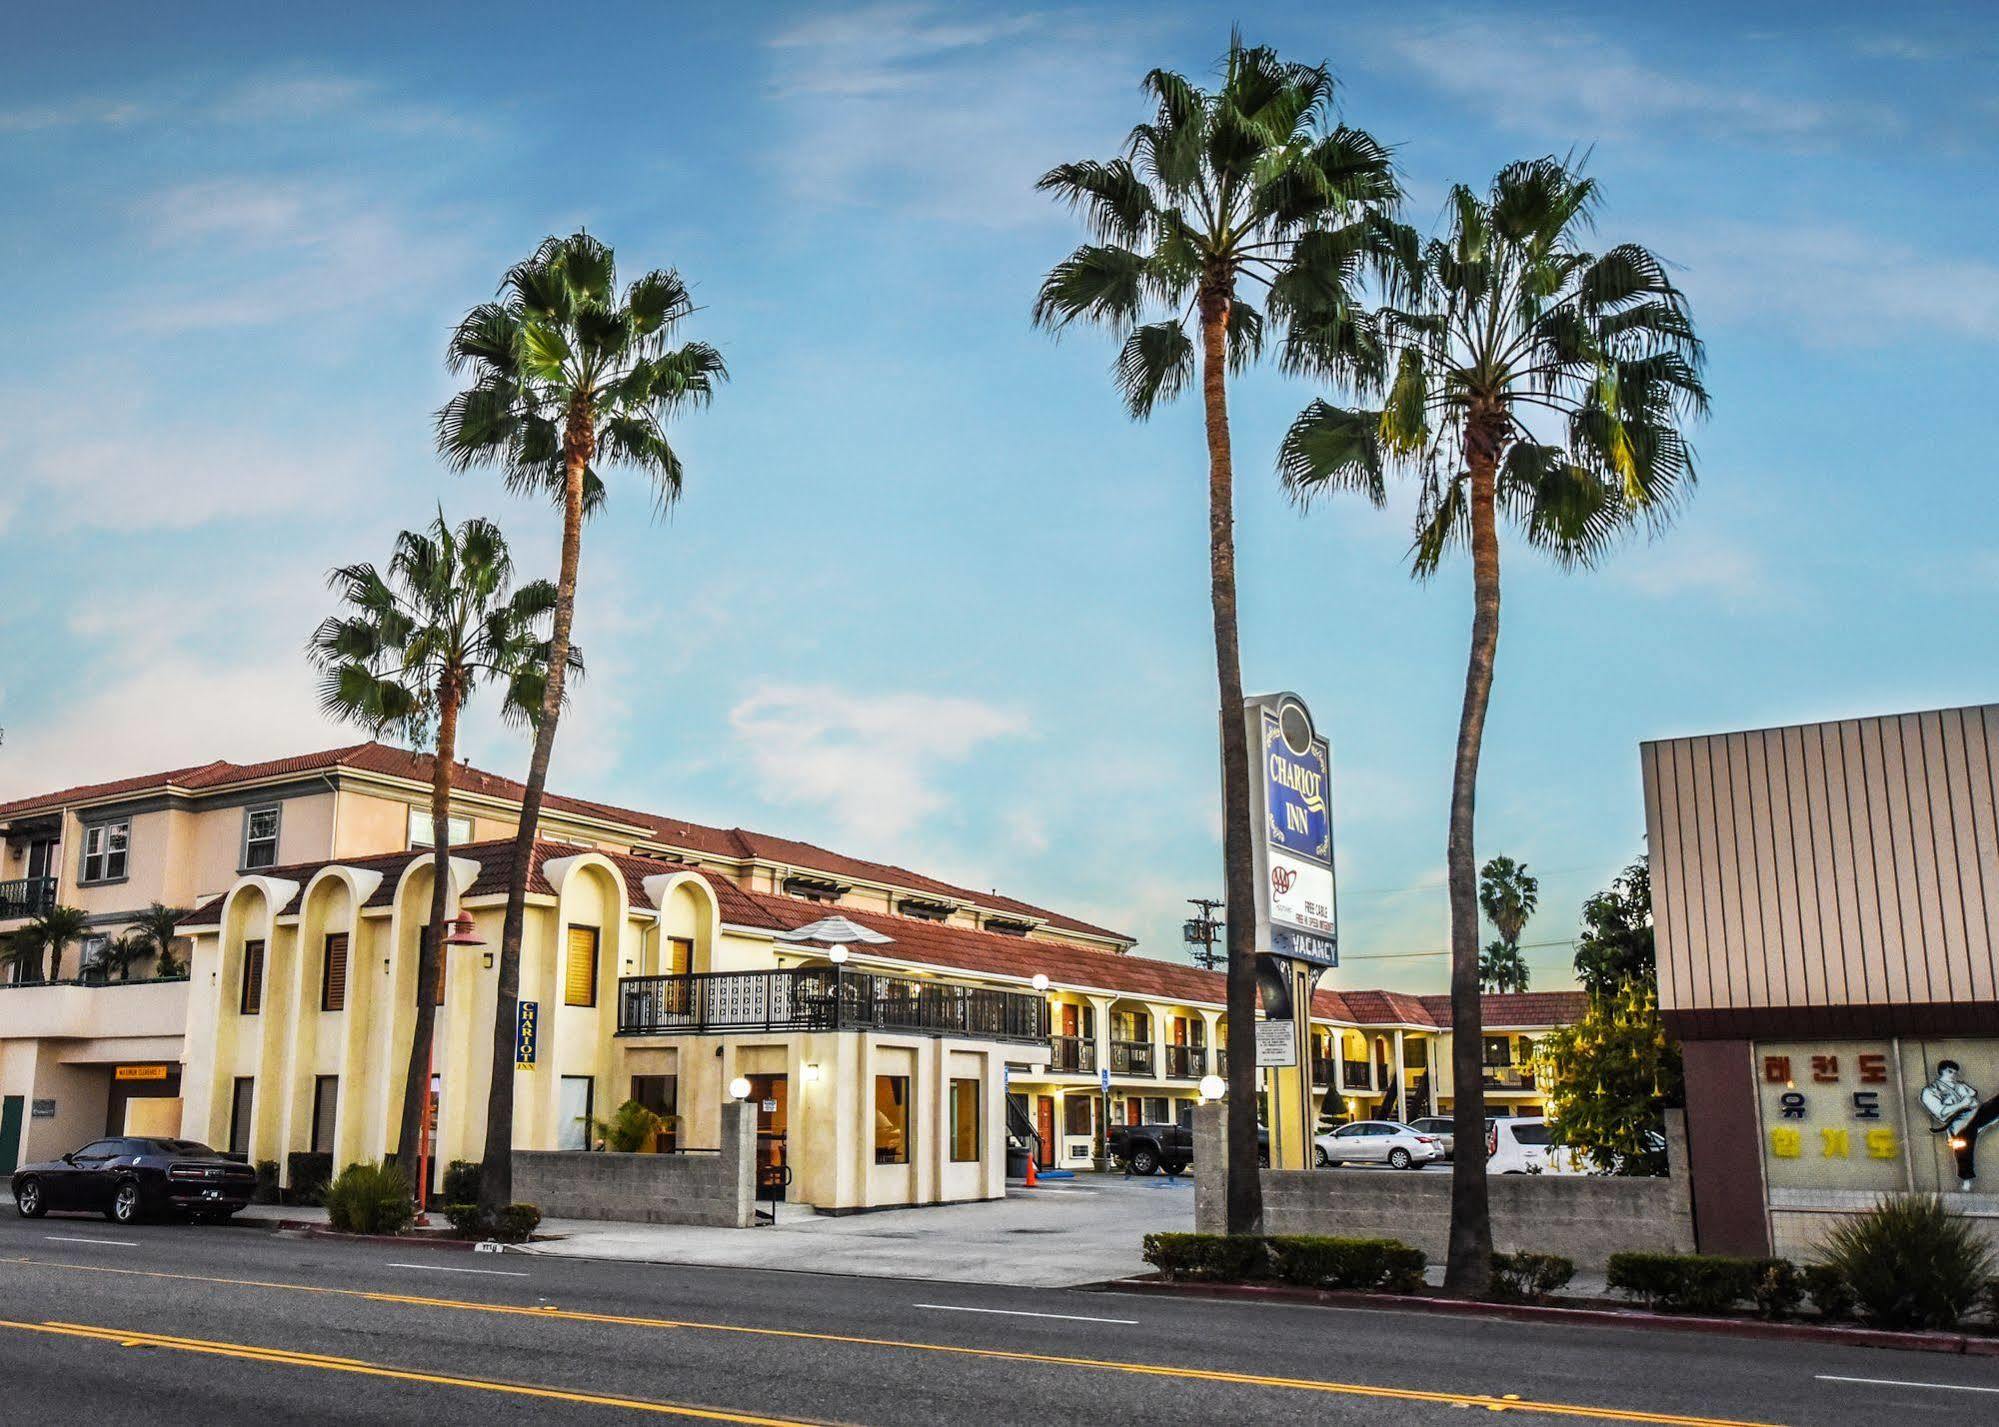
[1044, 1126]
[84, 1185]
[575, 1112]
[770, 1094]
[10, 1133]
[41, 859]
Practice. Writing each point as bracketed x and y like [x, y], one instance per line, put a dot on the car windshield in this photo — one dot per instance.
[1531, 1134]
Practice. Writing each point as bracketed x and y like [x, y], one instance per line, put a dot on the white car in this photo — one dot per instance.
[1377, 1142]
[1524, 1146]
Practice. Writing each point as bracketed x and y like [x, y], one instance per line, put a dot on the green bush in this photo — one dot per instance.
[1779, 1288]
[1362, 1265]
[461, 1182]
[370, 1199]
[1912, 1264]
[514, 1224]
[1529, 1278]
[1204, 1258]
[517, 1223]
[468, 1220]
[630, 1129]
[308, 1174]
[1829, 1291]
[266, 1191]
[1685, 1283]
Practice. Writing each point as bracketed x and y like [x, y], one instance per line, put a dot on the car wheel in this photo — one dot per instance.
[1398, 1158]
[28, 1199]
[1321, 1158]
[1144, 1162]
[1173, 1169]
[124, 1204]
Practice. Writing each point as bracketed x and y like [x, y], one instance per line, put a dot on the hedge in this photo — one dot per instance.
[1529, 1278]
[1699, 1283]
[512, 1225]
[1307, 1260]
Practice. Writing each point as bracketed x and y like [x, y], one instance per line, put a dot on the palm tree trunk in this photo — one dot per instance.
[1469, 1270]
[1245, 1183]
[496, 1170]
[430, 959]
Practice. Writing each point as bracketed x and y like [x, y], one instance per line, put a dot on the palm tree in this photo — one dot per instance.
[1230, 211]
[1509, 893]
[406, 652]
[157, 927]
[1533, 378]
[566, 371]
[48, 934]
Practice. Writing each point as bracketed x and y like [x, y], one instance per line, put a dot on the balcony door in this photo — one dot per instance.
[42, 858]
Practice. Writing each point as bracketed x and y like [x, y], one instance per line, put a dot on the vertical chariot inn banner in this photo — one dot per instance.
[1293, 792]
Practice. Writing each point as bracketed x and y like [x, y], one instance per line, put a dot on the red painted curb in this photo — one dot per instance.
[401, 1241]
[1962, 1344]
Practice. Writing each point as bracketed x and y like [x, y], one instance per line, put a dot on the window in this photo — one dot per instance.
[253, 978]
[242, 1098]
[1498, 1051]
[1076, 1114]
[579, 981]
[575, 1113]
[325, 1100]
[891, 1119]
[458, 829]
[333, 974]
[90, 955]
[260, 837]
[964, 1121]
[104, 850]
[661, 1095]
[1156, 1112]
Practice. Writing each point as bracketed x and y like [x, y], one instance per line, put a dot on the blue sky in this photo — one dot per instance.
[930, 596]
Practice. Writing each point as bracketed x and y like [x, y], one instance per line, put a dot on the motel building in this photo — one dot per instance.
[893, 1031]
[1827, 906]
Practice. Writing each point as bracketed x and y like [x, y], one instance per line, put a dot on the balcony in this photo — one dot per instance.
[1509, 1077]
[824, 999]
[1185, 1062]
[27, 897]
[1131, 1058]
[89, 1010]
[1072, 1055]
[1358, 1075]
[1322, 1070]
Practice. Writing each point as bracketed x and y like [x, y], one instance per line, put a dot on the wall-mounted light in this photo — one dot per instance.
[739, 1088]
[488, 960]
[838, 956]
[1213, 1087]
[1040, 982]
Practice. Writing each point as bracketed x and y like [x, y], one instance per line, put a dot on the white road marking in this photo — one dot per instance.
[440, 1268]
[1022, 1313]
[114, 1243]
[1903, 1382]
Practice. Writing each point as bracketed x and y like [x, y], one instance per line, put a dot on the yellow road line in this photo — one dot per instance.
[1347, 1389]
[286, 1357]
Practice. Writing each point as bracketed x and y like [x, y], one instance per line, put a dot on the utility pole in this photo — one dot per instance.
[1202, 931]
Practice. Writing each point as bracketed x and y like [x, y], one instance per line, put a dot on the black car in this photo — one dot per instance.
[127, 1179]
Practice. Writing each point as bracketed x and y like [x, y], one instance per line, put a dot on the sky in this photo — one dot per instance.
[929, 595]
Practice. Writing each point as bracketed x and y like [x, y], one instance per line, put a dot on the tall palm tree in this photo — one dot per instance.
[405, 653]
[567, 371]
[48, 935]
[1509, 893]
[157, 927]
[1230, 211]
[1532, 378]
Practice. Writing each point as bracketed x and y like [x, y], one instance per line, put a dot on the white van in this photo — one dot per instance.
[1524, 1146]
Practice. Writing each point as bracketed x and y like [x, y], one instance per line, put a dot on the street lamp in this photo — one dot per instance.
[1040, 981]
[1213, 1087]
[462, 933]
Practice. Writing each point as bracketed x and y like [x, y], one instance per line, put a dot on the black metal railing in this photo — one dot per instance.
[1509, 1077]
[27, 896]
[1222, 1060]
[1322, 1070]
[8, 981]
[1185, 1062]
[1357, 1074]
[1072, 1055]
[824, 999]
[1131, 1057]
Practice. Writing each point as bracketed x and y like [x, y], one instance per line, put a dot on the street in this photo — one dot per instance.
[166, 1323]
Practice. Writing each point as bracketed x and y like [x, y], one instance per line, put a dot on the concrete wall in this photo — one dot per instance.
[718, 1190]
[1584, 1217]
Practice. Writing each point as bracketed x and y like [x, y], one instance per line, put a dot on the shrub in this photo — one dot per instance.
[514, 1224]
[461, 1182]
[630, 1129]
[467, 1219]
[370, 1199]
[1529, 1278]
[517, 1223]
[1201, 1258]
[1363, 1265]
[1779, 1288]
[308, 1174]
[266, 1191]
[1911, 1263]
[1829, 1291]
[1685, 1283]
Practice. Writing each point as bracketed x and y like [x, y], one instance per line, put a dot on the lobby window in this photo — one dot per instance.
[253, 978]
[260, 837]
[104, 851]
[458, 829]
[242, 1099]
[579, 979]
[575, 1118]
[325, 1101]
[964, 1121]
[891, 1119]
[333, 974]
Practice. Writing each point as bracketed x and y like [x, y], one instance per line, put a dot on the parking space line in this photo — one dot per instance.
[1021, 1313]
[110, 1243]
[1904, 1382]
[441, 1268]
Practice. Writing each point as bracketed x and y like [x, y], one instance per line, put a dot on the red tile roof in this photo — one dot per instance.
[1519, 1010]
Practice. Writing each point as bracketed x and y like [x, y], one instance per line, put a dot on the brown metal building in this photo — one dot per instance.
[1827, 907]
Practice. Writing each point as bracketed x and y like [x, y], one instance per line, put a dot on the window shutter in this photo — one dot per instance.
[333, 986]
[253, 977]
[580, 976]
[679, 956]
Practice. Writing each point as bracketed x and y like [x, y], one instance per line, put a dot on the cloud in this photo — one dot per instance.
[1696, 566]
[902, 107]
[289, 97]
[870, 762]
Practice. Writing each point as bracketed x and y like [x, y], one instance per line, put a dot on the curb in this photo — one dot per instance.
[1961, 1344]
[314, 1230]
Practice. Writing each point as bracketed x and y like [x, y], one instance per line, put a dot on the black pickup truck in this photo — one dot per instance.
[1151, 1148]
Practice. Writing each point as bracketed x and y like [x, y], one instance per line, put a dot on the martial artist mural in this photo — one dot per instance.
[1955, 1110]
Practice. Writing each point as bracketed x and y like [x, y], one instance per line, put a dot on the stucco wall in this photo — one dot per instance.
[716, 1189]
[1585, 1217]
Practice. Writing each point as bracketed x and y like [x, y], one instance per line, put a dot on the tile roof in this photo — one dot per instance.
[1518, 1010]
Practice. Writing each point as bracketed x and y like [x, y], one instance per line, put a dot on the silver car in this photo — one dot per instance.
[1378, 1142]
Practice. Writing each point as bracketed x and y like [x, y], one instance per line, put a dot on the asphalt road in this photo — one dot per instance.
[168, 1324]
